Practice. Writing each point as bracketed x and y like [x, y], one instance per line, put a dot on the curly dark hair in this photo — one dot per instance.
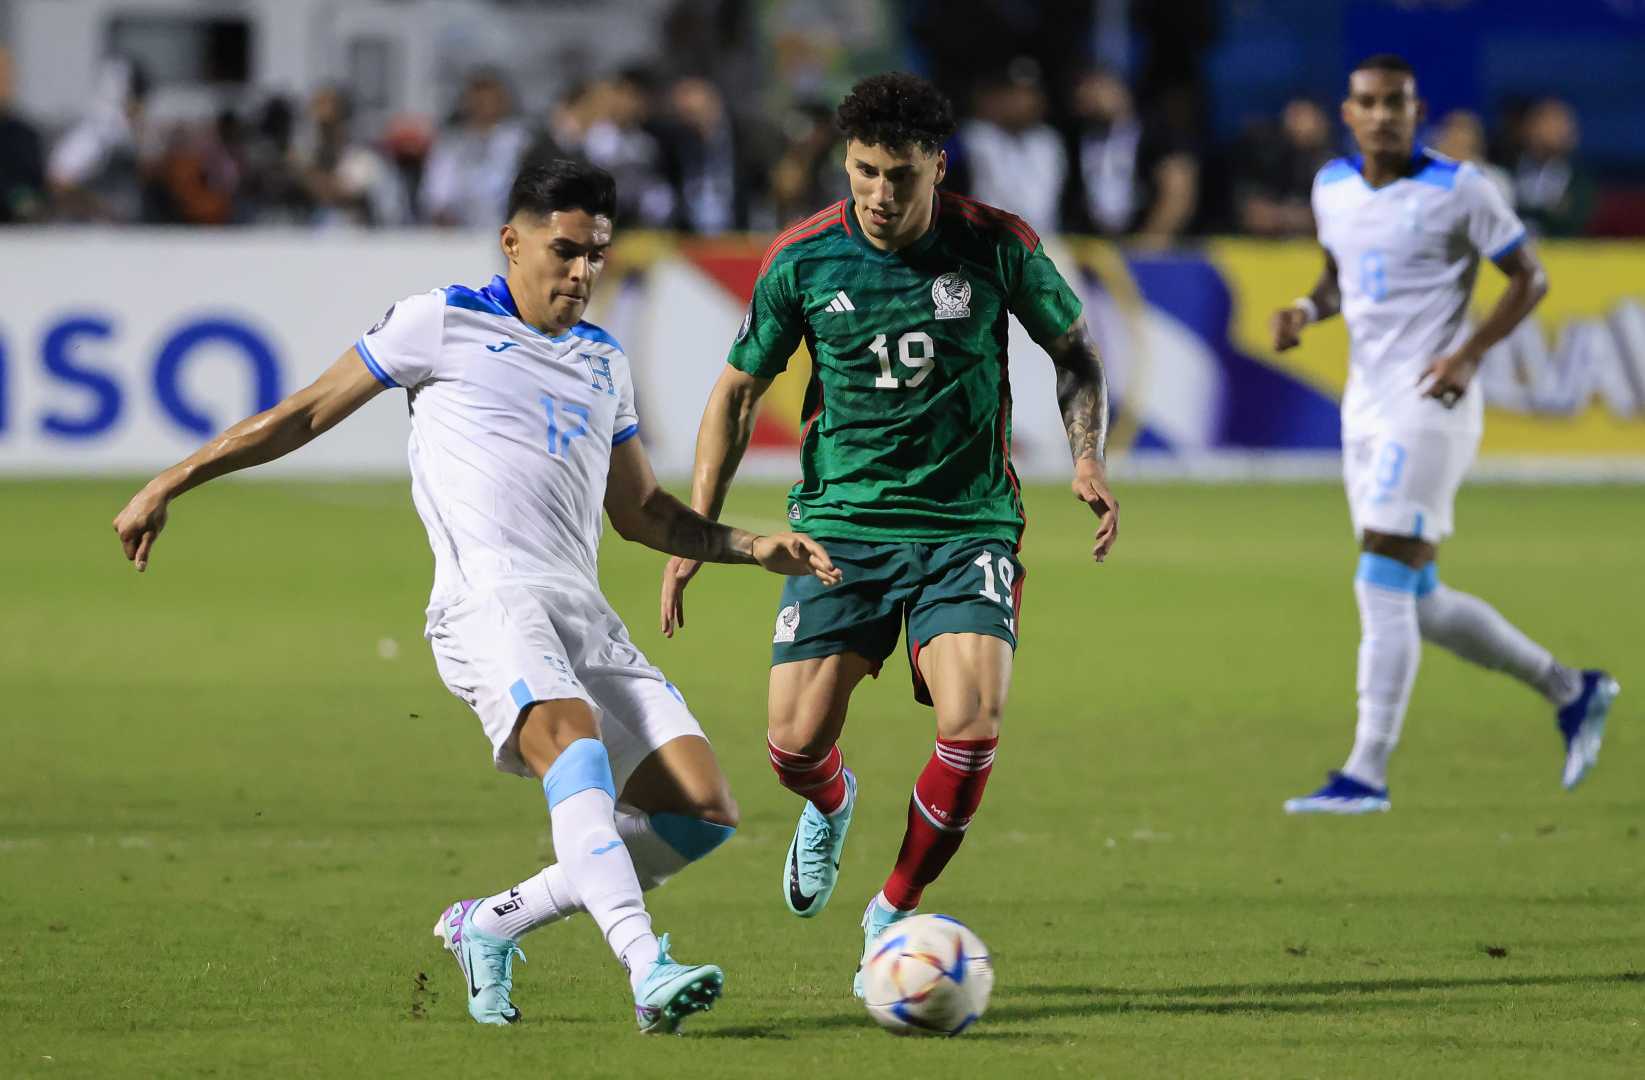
[896, 110]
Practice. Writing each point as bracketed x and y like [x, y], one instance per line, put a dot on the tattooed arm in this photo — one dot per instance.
[1082, 395]
[643, 512]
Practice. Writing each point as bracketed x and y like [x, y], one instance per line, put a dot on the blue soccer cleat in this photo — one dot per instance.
[813, 865]
[875, 918]
[1582, 722]
[1341, 795]
[671, 992]
[487, 963]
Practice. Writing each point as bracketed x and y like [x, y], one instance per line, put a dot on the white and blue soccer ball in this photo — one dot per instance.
[927, 975]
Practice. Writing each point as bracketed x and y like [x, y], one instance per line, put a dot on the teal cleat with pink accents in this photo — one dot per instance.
[487, 963]
[671, 992]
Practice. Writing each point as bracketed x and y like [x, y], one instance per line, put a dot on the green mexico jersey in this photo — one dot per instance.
[908, 413]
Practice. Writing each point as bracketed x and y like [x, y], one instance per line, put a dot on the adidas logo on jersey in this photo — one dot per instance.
[841, 303]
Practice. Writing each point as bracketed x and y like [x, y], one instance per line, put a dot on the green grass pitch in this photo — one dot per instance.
[230, 810]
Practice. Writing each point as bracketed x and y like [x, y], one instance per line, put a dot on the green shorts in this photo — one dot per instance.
[959, 587]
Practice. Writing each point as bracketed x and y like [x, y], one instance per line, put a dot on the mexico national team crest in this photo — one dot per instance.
[952, 295]
[788, 621]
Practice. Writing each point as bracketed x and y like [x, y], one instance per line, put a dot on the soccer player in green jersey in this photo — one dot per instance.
[900, 294]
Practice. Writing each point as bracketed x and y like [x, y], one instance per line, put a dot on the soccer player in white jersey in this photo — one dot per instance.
[522, 423]
[1403, 230]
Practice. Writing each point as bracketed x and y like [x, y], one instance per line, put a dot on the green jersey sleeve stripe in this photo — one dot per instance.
[816, 223]
[983, 214]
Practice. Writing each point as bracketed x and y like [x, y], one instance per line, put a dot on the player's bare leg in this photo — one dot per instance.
[807, 705]
[675, 809]
[969, 676]
[682, 776]
[807, 701]
[559, 741]
[547, 728]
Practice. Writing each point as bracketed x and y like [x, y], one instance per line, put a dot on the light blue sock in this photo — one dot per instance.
[664, 844]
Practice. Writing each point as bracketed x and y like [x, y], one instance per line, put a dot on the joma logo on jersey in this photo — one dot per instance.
[600, 368]
[952, 296]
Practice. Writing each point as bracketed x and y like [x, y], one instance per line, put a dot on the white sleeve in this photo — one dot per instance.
[1316, 204]
[627, 422]
[1493, 227]
[404, 347]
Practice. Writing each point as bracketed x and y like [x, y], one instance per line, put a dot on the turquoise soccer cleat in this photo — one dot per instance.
[813, 865]
[487, 963]
[672, 992]
[875, 918]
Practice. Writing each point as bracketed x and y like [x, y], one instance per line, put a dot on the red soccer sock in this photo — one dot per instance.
[946, 796]
[820, 780]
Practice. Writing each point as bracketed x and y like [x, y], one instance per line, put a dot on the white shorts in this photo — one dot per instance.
[1404, 483]
[501, 649]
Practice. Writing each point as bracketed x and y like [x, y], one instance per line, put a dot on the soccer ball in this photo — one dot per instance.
[927, 975]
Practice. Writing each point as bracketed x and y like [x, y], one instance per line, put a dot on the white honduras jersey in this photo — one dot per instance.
[511, 436]
[1407, 254]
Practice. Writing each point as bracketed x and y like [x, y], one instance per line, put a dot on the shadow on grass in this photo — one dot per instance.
[1051, 1010]
[1335, 986]
[741, 1031]
[1072, 1001]
[782, 1032]
[1070, 1008]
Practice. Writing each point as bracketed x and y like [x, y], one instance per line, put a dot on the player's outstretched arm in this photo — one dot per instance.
[643, 512]
[1447, 378]
[728, 424]
[722, 439]
[271, 434]
[1323, 302]
[1082, 394]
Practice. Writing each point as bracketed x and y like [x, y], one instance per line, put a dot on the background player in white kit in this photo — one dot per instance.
[522, 422]
[1403, 230]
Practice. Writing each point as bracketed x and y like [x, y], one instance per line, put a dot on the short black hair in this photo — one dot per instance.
[896, 110]
[1387, 62]
[562, 184]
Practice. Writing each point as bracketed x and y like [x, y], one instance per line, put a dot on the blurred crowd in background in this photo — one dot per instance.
[696, 145]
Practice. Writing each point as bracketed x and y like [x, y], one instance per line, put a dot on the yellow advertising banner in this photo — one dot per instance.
[1570, 381]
